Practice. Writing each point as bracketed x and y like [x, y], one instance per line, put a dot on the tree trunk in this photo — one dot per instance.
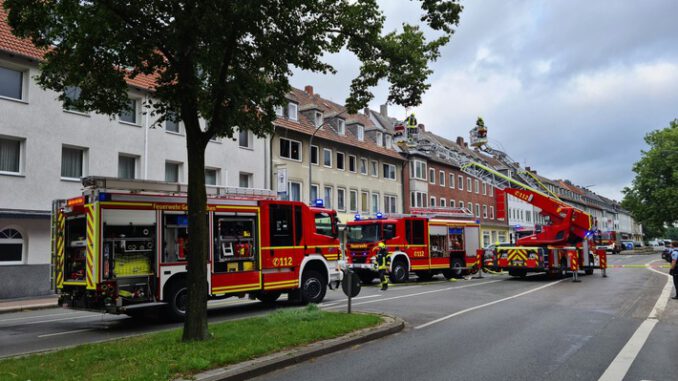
[195, 325]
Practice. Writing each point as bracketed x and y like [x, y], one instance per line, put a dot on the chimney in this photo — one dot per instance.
[308, 89]
[366, 111]
[383, 110]
[460, 141]
[528, 169]
[422, 127]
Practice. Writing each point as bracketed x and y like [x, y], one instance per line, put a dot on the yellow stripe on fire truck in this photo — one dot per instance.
[61, 224]
[91, 244]
[239, 287]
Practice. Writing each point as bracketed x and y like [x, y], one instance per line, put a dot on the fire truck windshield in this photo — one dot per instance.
[364, 233]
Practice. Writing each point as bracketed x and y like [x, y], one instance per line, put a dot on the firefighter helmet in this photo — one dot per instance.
[381, 245]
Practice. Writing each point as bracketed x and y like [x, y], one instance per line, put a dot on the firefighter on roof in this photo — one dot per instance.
[383, 261]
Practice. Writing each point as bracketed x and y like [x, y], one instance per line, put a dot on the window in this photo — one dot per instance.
[528, 217]
[361, 132]
[129, 114]
[127, 167]
[433, 202]
[460, 182]
[290, 149]
[477, 186]
[314, 192]
[486, 239]
[351, 163]
[172, 122]
[294, 191]
[375, 203]
[324, 224]
[292, 109]
[491, 190]
[10, 155]
[418, 169]
[279, 111]
[318, 117]
[363, 166]
[452, 204]
[211, 176]
[328, 197]
[469, 185]
[245, 139]
[477, 210]
[451, 184]
[418, 199]
[172, 172]
[314, 155]
[71, 95]
[390, 203]
[461, 204]
[245, 180]
[441, 178]
[72, 162]
[374, 168]
[364, 202]
[484, 211]
[380, 138]
[484, 188]
[11, 83]
[443, 203]
[11, 247]
[353, 200]
[416, 230]
[280, 223]
[341, 127]
[327, 157]
[389, 140]
[340, 161]
[341, 199]
[389, 171]
[432, 175]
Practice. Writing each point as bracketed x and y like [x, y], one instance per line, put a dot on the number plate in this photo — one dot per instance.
[518, 262]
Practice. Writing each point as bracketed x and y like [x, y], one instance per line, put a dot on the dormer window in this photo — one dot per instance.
[279, 111]
[361, 132]
[318, 118]
[341, 127]
[389, 140]
[380, 138]
[292, 109]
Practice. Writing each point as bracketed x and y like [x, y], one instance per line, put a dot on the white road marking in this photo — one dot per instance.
[35, 317]
[419, 293]
[323, 305]
[622, 363]
[62, 319]
[486, 305]
[65, 332]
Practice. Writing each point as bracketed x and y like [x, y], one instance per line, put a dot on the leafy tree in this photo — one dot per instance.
[653, 195]
[226, 61]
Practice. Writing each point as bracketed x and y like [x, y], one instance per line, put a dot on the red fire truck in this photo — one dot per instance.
[608, 240]
[122, 245]
[428, 242]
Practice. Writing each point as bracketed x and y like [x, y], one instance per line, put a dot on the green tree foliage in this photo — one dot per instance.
[226, 61]
[652, 198]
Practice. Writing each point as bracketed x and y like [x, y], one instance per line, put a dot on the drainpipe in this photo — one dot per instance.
[146, 127]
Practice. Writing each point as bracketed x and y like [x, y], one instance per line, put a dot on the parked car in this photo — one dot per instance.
[627, 245]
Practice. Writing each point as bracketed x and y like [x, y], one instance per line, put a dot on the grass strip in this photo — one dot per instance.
[162, 356]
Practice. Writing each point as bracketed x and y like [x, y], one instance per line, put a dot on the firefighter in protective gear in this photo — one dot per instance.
[383, 262]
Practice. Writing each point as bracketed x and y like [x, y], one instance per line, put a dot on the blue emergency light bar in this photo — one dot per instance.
[356, 217]
[379, 215]
[319, 203]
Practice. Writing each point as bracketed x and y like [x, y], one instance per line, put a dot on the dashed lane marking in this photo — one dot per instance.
[65, 333]
[36, 317]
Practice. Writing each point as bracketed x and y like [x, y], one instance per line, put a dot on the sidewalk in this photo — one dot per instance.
[25, 304]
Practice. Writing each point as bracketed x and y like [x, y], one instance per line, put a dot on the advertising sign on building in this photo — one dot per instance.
[282, 181]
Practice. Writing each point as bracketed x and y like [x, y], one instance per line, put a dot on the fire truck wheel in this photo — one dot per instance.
[313, 287]
[456, 269]
[424, 276]
[269, 297]
[399, 272]
[178, 301]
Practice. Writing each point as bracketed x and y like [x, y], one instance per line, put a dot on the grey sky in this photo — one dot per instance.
[567, 87]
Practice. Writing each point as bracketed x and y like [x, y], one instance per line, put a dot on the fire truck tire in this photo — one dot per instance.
[177, 300]
[269, 297]
[313, 287]
[456, 270]
[399, 271]
[424, 276]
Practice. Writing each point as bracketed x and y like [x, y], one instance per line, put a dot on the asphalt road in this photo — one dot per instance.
[493, 328]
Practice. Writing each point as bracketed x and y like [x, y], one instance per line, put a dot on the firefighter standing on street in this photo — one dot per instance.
[383, 260]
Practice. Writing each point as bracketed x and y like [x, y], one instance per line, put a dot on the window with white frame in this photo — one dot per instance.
[363, 166]
[491, 212]
[375, 203]
[172, 122]
[279, 111]
[389, 171]
[351, 163]
[245, 139]
[11, 83]
[292, 109]
[245, 180]
[484, 188]
[433, 202]
[11, 247]
[327, 157]
[127, 166]
[477, 210]
[340, 161]
[314, 192]
[452, 204]
[364, 202]
[294, 191]
[390, 204]
[469, 185]
[418, 169]
[491, 190]
[72, 162]
[318, 116]
[461, 204]
[432, 175]
[443, 202]
[341, 199]
[71, 96]
[211, 176]
[374, 168]
[290, 149]
[441, 178]
[328, 197]
[418, 199]
[451, 184]
[485, 211]
[314, 155]
[360, 132]
[131, 112]
[380, 138]
[172, 172]
[389, 141]
[477, 186]
[353, 200]
[11, 151]
[341, 127]
[460, 182]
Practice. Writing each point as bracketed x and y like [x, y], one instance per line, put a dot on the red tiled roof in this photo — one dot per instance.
[9, 43]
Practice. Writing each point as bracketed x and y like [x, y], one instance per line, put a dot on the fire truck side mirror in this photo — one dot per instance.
[335, 229]
[538, 228]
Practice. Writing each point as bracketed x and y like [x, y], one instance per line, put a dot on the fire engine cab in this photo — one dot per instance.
[427, 242]
[122, 246]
